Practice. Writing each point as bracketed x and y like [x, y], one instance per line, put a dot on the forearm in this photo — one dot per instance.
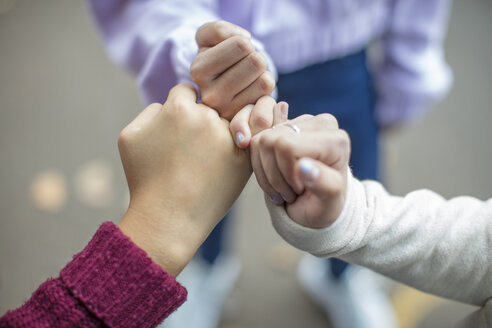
[413, 74]
[438, 246]
[110, 283]
[155, 40]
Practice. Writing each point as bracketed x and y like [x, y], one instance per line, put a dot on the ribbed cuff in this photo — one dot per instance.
[119, 283]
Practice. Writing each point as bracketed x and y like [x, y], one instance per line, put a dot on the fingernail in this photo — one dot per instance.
[274, 199]
[284, 198]
[309, 172]
[239, 137]
[284, 109]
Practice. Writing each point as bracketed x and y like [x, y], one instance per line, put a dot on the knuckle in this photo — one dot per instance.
[284, 146]
[211, 118]
[221, 29]
[243, 44]
[200, 31]
[175, 95]
[176, 107]
[211, 98]
[196, 70]
[255, 142]
[176, 102]
[344, 139]
[266, 100]
[205, 26]
[267, 83]
[304, 117]
[124, 139]
[266, 142]
[227, 112]
[338, 144]
[344, 145]
[172, 93]
[328, 120]
[257, 61]
[260, 122]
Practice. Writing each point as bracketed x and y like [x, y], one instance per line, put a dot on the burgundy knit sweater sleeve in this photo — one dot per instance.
[111, 283]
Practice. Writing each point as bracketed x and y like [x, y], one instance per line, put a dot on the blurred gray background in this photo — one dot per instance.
[63, 103]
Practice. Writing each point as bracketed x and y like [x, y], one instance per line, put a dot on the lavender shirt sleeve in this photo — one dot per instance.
[155, 40]
[414, 74]
[111, 283]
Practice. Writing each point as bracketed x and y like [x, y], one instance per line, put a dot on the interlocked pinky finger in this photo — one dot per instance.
[280, 113]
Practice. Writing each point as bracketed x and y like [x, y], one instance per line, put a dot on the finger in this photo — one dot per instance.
[274, 176]
[260, 173]
[262, 114]
[320, 122]
[286, 159]
[324, 196]
[211, 34]
[310, 123]
[241, 75]
[239, 127]
[213, 62]
[183, 93]
[262, 86]
[323, 181]
[280, 113]
[332, 147]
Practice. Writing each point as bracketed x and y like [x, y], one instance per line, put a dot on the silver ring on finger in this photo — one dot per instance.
[290, 125]
[293, 127]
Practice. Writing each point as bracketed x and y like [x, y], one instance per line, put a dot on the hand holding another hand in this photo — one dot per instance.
[184, 172]
[228, 70]
[303, 164]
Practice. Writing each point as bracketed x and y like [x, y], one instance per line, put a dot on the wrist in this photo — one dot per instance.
[162, 236]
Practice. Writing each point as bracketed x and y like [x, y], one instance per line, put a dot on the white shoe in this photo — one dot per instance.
[208, 288]
[354, 300]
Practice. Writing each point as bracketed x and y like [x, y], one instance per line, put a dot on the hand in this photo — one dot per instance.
[228, 70]
[184, 172]
[306, 171]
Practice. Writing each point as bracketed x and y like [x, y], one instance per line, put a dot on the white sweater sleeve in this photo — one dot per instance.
[439, 246]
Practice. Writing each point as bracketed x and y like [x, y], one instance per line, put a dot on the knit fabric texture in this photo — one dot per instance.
[111, 283]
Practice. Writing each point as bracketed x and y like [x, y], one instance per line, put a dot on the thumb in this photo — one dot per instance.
[323, 181]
